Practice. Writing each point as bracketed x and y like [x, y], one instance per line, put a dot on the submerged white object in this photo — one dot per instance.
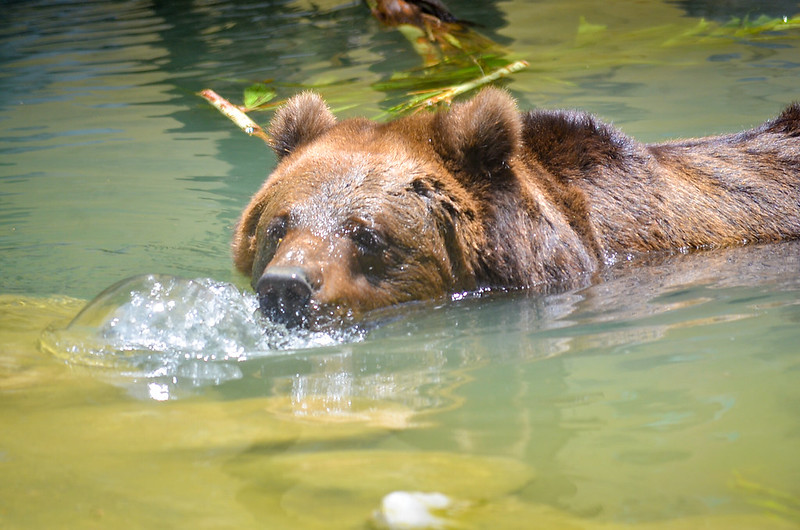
[401, 510]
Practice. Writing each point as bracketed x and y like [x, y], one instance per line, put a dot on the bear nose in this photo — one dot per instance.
[283, 294]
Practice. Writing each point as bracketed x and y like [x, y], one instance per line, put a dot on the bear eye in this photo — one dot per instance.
[276, 230]
[371, 249]
[272, 236]
[367, 239]
[267, 239]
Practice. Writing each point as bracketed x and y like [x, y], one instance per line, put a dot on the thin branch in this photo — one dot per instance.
[452, 92]
[429, 98]
[235, 114]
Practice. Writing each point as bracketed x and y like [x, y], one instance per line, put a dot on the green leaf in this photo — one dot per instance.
[257, 95]
[589, 33]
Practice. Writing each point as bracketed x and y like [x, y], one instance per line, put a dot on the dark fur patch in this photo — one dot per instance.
[787, 123]
[570, 142]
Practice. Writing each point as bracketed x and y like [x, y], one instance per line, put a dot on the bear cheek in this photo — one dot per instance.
[343, 292]
[433, 276]
[429, 264]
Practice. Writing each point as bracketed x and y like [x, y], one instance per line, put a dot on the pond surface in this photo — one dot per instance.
[663, 395]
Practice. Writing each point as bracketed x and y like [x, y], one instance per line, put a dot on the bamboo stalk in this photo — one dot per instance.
[448, 94]
[429, 98]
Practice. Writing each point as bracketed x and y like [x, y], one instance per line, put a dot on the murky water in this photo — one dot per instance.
[664, 396]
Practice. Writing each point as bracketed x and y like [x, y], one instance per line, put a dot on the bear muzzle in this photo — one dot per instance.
[284, 294]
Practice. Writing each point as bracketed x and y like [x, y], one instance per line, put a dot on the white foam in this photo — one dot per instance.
[406, 510]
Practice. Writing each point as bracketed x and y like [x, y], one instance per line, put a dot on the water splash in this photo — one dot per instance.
[165, 330]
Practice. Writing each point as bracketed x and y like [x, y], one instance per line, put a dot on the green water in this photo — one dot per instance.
[663, 397]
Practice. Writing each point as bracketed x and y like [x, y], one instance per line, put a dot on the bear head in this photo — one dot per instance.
[359, 215]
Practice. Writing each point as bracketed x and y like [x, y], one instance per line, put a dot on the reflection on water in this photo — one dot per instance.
[335, 484]
[652, 396]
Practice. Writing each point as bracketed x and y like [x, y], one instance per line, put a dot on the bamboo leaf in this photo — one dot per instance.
[257, 95]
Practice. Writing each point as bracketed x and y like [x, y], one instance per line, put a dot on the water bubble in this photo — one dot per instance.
[169, 331]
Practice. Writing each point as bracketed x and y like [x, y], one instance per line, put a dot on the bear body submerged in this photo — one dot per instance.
[360, 215]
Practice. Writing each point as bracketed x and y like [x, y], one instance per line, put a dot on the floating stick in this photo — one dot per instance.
[235, 114]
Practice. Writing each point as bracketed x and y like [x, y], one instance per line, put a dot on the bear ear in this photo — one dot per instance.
[480, 135]
[303, 118]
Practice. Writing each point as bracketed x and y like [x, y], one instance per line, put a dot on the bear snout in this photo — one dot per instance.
[284, 294]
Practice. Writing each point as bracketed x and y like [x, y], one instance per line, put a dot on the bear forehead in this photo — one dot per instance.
[355, 170]
[323, 189]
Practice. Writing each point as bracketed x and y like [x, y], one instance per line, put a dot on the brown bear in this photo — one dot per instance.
[359, 215]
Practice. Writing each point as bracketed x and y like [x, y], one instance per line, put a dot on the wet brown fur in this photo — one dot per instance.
[484, 196]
